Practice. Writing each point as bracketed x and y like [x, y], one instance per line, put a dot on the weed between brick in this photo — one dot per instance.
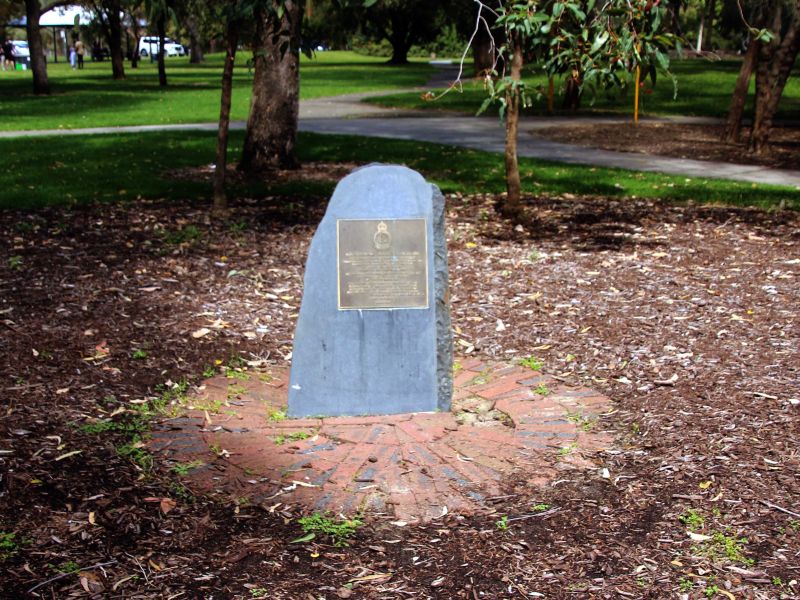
[583, 422]
[338, 531]
[532, 363]
[295, 436]
[184, 468]
[276, 415]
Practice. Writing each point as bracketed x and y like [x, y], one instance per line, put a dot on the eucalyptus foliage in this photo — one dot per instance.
[596, 43]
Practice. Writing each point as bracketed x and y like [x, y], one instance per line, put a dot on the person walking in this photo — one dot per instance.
[79, 50]
[73, 56]
[8, 55]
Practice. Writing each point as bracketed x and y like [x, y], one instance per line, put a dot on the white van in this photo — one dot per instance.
[148, 46]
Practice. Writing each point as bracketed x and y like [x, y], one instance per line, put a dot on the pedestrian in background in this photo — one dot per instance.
[8, 55]
[73, 56]
[79, 50]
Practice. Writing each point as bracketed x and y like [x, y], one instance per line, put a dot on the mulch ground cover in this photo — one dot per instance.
[698, 142]
[686, 316]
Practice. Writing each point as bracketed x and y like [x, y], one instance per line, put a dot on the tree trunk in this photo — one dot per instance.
[196, 41]
[511, 206]
[114, 37]
[399, 54]
[711, 8]
[674, 8]
[41, 84]
[162, 34]
[400, 39]
[272, 124]
[220, 198]
[733, 124]
[775, 62]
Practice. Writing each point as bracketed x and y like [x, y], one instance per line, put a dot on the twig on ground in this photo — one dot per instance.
[545, 513]
[62, 575]
[779, 508]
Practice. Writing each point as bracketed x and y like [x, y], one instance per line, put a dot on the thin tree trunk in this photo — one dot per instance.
[511, 206]
[272, 124]
[41, 84]
[733, 124]
[220, 198]
[133, 32]
[162, 34]
[572, 91]
[701, 31]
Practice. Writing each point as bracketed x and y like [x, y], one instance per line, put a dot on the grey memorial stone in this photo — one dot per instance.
[373, 336]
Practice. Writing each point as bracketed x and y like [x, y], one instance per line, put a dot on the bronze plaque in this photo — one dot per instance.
[382, 263]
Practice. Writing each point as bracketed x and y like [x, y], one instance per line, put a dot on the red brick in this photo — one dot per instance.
[412, 460]
[497, 388]
[473, 364]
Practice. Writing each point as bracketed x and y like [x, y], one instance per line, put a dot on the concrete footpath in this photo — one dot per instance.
[348, 115]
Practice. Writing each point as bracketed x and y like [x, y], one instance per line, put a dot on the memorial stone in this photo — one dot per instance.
[373, 335]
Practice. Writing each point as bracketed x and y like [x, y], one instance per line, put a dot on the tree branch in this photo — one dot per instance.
[55, 4]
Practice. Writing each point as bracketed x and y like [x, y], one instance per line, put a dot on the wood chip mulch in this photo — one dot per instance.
[686, 316]
[698, 142]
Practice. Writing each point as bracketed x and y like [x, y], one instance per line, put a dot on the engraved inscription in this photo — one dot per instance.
[382, 263]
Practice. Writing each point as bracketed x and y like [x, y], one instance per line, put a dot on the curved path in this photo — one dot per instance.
[347, 114]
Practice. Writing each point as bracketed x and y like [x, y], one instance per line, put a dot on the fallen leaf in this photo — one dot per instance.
[68, 454]
[200, 332]
[167, 504]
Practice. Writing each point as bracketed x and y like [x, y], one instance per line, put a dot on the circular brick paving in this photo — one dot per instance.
[506, 420]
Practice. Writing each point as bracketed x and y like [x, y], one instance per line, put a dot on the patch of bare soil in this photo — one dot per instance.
[686, 316]
[309, 171]
[698, 142]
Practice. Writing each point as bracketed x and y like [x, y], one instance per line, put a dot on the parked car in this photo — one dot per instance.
[22, 54]
[21, 49]
[148, 46]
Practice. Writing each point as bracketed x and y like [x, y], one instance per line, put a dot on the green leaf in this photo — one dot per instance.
[305, 538]
[599, 41]
[577, 12]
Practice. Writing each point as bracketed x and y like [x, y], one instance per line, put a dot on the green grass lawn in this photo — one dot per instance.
[68, 170]
[704, 89]
[90, 98]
